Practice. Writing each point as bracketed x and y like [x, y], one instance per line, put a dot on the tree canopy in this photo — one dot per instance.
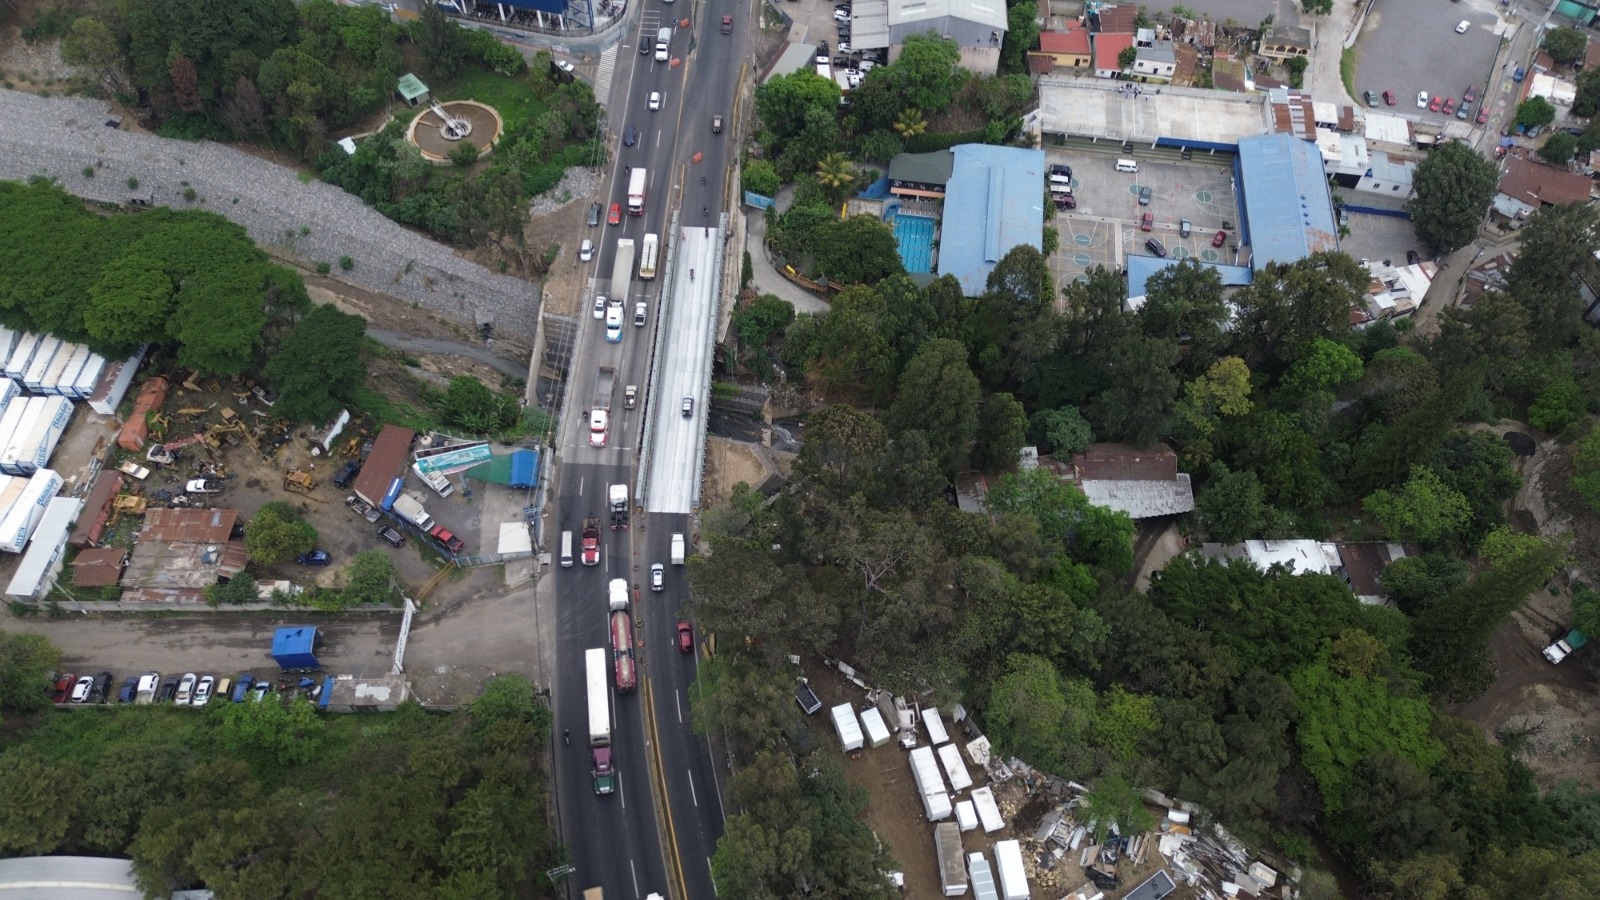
[1453, 186]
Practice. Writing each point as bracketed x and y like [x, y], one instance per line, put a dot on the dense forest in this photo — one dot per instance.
[267, 800]
[1288, 710]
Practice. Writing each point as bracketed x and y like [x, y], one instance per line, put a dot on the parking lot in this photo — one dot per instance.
[1412, 46]
[1380, 238]
[1104, 228]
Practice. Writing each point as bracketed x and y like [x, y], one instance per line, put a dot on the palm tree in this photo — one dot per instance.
[910, 124]
[835, 172]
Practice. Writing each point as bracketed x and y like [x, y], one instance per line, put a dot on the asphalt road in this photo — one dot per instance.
[617, 841]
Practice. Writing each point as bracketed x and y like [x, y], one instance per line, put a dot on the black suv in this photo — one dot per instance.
[391, 536]
[102, 685]
[346, 474]
[168, 689]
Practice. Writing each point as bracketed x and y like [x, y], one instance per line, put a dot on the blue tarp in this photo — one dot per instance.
[524, 468]
[292, 647]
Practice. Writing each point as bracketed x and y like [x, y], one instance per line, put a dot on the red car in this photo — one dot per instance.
[1470, 94]
[614, 217]
[446, 539]
[685, 637]
[1388, 97]
[1147, 222]
[1483, 115]
[1218, 239]
[64, 686]
[1434, 106]
[1449, 105]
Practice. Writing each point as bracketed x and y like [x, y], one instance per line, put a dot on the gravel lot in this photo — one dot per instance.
[61, 137]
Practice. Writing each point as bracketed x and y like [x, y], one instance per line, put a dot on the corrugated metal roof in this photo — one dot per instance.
[994, 202]
[991, 13]
[190, 526]
[97, 507]
[67, 878]
[1125, 462]
[385, 463]
[1286, 199]
[98, 567]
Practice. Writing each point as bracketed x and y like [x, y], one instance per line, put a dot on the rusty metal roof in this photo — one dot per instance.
[191, 526]
[99, 567]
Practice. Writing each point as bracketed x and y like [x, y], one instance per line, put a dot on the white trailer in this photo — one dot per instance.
[1013, 877]
[849, 729]
[68, 376]
[84, 383]
[952, 871]
[437, 480]
[114, 383]
[617, 591]
[988, 810]
[954, 768]
[21, 356]
[12, 418]
[24, 454]
[32, 412]
[930, 785]
[8, 342]
[679, 548]
[10, 489]
[33, 377]
[877, 732]
[605, 778]
[935, 725]
[17, 526]
[983, 887]
[50, 383]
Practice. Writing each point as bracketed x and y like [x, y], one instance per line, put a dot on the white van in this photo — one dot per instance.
[663, 41]
[566, 549]
[1127, 165]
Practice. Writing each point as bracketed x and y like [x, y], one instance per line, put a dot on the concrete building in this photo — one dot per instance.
[995, 201]
[1156, 61]
[977, 27]
[1108, 52]
[1069, 48]
[1143, 482]
[921, 176]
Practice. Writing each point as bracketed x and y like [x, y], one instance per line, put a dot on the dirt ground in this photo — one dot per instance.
[1552, 708]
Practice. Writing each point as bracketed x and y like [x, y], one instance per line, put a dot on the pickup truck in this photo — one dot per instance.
[446, 540]
[361, 508]
[1563, 648]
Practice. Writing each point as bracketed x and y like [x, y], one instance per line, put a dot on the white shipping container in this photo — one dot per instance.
[877, 732]
[849, 729]
[114, 384]
[46, 354]
[11, 418]
[9, 390]
[935, 725]
[31, 413]
[952, 868]
[8, 342]
[61, 385]
[930, 784]
[10, 489]
[18, 523]
[84, 383]
[966, 816]
[988, 810]
[57, 369]
[1013, 878]
[21, 356]
[33, 452]
[954, 768]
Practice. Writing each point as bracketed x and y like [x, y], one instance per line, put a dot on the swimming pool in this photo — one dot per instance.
[915, 236]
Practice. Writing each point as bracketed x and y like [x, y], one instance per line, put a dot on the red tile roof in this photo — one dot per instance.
[1073, 40]
[1107, 47]
[1537, 184]
[1118, 19]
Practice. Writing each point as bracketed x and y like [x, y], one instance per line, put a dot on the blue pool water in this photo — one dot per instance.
[915, 236]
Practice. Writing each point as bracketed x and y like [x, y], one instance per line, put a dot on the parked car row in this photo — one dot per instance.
[188, 689]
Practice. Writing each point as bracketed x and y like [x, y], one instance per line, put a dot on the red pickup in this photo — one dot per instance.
[446, 539]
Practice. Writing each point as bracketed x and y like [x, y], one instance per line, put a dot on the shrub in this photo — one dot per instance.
[346, 263]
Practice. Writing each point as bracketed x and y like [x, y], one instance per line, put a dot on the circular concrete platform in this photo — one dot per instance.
[430, 133]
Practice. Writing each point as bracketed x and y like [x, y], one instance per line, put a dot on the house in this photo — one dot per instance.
[1591, 55]
[1142, 482]
[178, 553]
[1364, 562]
[1155, 61]
[1558, 91]
[1286, 38]
[1107, 52]
[97, 509]
[1527, 185]
[921, 176]
[1396, 291]
[1066, 49]
[1293, 112]
[1298, 556]
[1114, 19]
[1488, 275]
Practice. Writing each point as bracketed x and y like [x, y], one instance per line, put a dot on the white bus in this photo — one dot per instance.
[647, 257]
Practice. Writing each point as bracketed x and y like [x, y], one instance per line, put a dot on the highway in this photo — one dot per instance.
[623, 842]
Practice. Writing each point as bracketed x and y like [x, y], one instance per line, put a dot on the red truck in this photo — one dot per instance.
[591, 541]
[446, 539]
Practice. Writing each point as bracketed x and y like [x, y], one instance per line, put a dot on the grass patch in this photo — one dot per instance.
[381, 409]
[1347, 71]
[509, 96]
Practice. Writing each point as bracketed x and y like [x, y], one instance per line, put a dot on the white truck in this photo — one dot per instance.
[410, 508]
[663, 44]
[636, 187]
[605, 778]
[618, 502]
[677, 548]
[617, 592]
[621, 272]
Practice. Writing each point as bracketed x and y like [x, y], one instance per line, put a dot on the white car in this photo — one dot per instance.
[600, 306]
[1422, 99]
[597, 428]
[82, 688]
[1462, 26]
[658, 577]
[841, 15]
[565, 66]
[586, 250]
[185, 689]
[640, 312]
[202, 691]
[655, 100]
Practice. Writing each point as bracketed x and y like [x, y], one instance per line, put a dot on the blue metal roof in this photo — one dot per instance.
[1141, 267]
[548, 6]
[1288, 211]
[293, 645]
[993, 202]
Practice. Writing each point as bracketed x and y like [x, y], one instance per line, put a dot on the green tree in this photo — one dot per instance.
[1534, 112]
[783, 102]
[1185, 303]
[318, 365]
[27, 662]
[1478, 465]
[910, 123]
[240, 588]
[1586, 618]
[927, 71]
[276, 533]
[1087, 533]
[939, 396]
[1232, 506]
[1425, 509]
[1034, 713]
[1022, 32]
[1286, 308]
[37, 802]
[760, 177]
[1559, 242]
[1126, 57]
[1587, 100]
[1317, 7]
[470, 404]
[1114, 800]
[1062, 431]
[442, 42]
[858, 250]
[283, 734]
[836, 175]
[90, 44]
[1565, 44]
[1559, 148]
[1452, 188]
[1559, 405]
[369, 578]
[999, 442]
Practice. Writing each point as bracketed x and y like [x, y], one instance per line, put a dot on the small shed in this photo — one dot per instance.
[413, 91]
[292, 647]
[954, 768]
[935, 725]
[848, 727]
[877, 732]
[988, 809]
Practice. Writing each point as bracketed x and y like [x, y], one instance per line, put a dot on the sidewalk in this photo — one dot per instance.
[768, 280]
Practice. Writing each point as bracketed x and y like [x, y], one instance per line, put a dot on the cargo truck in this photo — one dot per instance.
[618, 501]
[604, 383]
[621, 272]
[1563, 648]
[617, 594]
[647, 257]
[410, 508]
[622, 650]
[605, 778]
[636, 189]
[677, 548]
[663, 46]
[591, 541]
